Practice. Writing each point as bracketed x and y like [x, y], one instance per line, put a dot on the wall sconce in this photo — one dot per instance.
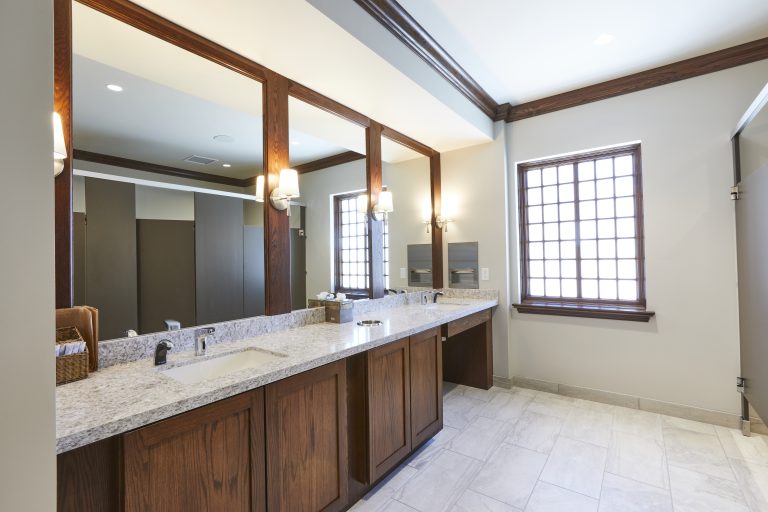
[287, 189]
[380, 209]
[59, 146]
[260, 188]
[442, 222]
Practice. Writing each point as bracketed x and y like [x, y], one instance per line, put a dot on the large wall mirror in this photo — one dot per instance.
[329, 233]
[408, 254]
[167, 147]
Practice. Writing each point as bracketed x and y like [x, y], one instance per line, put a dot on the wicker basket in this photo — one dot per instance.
[73, 367]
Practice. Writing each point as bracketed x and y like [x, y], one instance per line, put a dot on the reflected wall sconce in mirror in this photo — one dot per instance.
[380, 210]
[59, 146]
[260, 188]
[287, 189]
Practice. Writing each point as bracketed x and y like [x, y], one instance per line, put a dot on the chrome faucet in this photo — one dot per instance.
[201, 339]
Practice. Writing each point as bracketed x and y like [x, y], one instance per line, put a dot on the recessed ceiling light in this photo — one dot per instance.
[603, 39]
[295, 142]
[223, 138]
[226, 165]
[114, 88]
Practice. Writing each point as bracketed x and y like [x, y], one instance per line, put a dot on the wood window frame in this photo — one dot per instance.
[632, 310]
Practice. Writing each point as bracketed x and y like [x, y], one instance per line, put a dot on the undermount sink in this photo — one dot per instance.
[214, 367]
[443, 305]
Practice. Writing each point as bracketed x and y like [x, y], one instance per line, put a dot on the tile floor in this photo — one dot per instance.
[522, 450]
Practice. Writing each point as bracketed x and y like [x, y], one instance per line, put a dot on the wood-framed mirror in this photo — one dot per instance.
[274, 91]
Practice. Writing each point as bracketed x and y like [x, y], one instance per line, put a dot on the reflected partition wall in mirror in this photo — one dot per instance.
[167, 147]
[328, 233]
[180, 90]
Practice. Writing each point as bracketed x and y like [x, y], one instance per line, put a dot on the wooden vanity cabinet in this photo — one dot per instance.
[207, 459]
[468, 350]
[307, 441]
[402, 408]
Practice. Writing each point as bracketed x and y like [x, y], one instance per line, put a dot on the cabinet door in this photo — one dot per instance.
[307, 441]
[389, 407]
[208, 459]
[426, 385]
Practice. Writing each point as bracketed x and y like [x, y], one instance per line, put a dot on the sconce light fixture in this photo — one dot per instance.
[380, 209]
[287, 189]
[442, 222]
[260, 188]
[59, 146]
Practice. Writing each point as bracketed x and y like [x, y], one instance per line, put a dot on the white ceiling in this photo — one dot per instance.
[521, 50]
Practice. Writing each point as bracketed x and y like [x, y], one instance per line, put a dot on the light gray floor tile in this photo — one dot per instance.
[431, 448]
[535, 431]
[624, 495]
[696, 426]
[459, 410]
[576, 466]
[510, 475]
[639, 423]
[697, 492]
[524, 391]
[737, 446]
[551, 405]
[480, 438]
[590, 426]
[440, 483]
[753, 479]
[638, 458]
[396, 506]
[480, 394]
[506, 406]
[551, 498]
[593, 406]
[697, 452]
[472, 501]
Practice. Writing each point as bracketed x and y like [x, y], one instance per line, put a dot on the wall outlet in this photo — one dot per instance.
[485, 274]
[403, 273]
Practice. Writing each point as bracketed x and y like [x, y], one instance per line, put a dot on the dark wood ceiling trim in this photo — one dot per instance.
[406, 141]
[403, 26]
[329, 161]
[689, 68]
[99, 158]
[151, 23]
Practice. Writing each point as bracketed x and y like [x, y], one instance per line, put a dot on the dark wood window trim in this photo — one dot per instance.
[633, 310]
[353, 292]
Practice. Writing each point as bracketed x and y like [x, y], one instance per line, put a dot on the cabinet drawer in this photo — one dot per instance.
[468, 322]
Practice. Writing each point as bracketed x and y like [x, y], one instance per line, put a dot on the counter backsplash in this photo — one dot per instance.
[126, 350]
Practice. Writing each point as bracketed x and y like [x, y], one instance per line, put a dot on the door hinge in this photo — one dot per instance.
[740, 384]
[735, 193]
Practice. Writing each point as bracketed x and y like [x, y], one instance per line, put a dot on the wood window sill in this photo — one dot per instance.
[609, 312]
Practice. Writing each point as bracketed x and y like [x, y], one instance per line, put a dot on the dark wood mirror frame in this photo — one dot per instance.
[275, 93]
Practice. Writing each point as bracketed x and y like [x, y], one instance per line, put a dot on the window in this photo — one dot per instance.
[581, 235]
[352, 275]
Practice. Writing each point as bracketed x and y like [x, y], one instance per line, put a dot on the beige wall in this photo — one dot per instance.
[27, 376]
[474, 187]
[689, 353]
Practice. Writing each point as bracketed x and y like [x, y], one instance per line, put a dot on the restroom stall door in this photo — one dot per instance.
[752, 247]
[110, 272]
[219, 258]
[298, 269]
[166, 273]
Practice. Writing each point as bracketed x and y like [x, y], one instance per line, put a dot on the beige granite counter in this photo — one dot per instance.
[127, 396]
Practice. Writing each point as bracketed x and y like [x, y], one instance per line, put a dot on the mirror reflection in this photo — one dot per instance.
[409, 253]
[329, 235]
[167, 147]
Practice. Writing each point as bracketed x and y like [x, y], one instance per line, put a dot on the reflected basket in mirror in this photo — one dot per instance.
[70, 366]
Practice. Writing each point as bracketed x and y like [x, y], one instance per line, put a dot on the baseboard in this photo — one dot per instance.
[635, 402]
[502, 382]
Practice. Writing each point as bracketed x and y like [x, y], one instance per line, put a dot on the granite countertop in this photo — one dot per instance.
[128, 396]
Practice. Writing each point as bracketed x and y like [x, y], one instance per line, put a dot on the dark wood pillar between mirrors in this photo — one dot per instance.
[375, 228]
[277, 243]
[62, 103]
[437, 233]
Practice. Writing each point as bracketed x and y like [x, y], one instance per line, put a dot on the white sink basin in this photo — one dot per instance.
[223, 365]
[443, 305]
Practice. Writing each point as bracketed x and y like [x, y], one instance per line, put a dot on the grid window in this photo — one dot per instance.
[581, 229]
[351, 249]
